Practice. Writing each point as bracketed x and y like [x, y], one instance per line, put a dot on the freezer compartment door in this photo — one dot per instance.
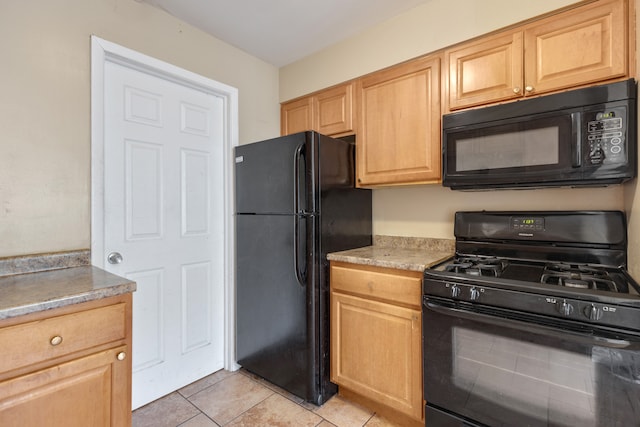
[272, 320]
[272, 176]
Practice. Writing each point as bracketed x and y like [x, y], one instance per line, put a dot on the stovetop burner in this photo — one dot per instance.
[477, 266]
[568, 275]
[581, 277]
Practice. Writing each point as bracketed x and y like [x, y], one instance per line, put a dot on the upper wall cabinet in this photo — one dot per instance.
[296, 116]
[334, 110]
[329, 112]
[486, 70]
[577, 47]
[398, 130]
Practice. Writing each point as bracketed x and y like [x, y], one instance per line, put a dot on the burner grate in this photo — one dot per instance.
[579, 277]
[492, 267]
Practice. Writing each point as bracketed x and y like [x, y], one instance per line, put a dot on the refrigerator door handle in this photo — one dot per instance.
[297, 156]
[300, 275]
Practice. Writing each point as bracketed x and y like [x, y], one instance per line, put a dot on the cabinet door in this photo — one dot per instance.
[334, 110]
[89, 391]
[398, 132]
[296, 116]
[376, 351]
[577, 47]
[485, 71]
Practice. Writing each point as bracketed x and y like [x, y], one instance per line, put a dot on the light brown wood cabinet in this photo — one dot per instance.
[329, 112]
[376, 330]
[68, 367]
[296, 116]
[395, 113]
[487, 70]
[577, 47]
[398, 131]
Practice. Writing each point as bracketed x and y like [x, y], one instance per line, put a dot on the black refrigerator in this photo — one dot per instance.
[296, 201]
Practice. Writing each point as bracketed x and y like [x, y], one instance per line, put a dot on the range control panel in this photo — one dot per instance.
[549, 305]
[530, 223]
[606, 136]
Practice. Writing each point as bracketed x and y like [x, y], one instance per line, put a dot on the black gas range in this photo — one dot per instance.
[532, 322]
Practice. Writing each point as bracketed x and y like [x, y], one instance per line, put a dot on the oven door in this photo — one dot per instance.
[500, 368]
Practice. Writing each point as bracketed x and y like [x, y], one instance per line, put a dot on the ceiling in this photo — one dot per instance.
[283, 31]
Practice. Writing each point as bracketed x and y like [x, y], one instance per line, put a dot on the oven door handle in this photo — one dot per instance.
[536, 328]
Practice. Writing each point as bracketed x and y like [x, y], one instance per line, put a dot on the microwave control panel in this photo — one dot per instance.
[606, 136]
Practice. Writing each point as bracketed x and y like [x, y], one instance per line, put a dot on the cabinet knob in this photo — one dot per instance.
[56, 340]
[121, 356]
[529, 88]
[516, 90]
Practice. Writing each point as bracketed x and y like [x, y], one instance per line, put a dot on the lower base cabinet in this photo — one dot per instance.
[68, 378]
[376, 339]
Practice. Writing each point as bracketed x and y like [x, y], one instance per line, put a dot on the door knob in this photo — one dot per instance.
[114, 258]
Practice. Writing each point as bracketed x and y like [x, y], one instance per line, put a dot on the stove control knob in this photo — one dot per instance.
[455, 291]
[592, 312]
[565, 308]
[474, 294]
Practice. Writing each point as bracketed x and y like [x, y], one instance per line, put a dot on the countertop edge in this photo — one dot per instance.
[65, 301]
[387, 264]
[401, 258]
[29, 293]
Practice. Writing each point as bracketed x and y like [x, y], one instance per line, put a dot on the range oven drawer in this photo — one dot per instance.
[494, 368]
[440, 418]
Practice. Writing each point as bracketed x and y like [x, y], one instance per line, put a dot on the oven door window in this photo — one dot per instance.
[531, 147]
[504, 372]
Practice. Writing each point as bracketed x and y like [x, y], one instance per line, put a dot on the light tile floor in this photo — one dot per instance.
[240, 399]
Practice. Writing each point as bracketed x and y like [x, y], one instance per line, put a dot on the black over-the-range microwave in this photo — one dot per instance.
[583, 137]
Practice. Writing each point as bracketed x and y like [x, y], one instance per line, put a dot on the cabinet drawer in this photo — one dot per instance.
[397, 286]
[36, 341]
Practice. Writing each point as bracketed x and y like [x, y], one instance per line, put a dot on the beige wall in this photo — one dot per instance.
[427, 211]
[427, 28]
[45, 98]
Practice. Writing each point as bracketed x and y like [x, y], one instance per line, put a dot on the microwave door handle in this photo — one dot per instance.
[576, 137]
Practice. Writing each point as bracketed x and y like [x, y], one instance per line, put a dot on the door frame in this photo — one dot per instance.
[103, 51]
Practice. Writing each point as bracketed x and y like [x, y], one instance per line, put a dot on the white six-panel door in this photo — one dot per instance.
[163, 213]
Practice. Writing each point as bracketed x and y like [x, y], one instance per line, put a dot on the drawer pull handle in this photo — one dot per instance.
[121, 356]
[56, 340]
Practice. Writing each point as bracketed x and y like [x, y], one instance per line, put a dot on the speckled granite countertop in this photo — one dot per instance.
[404, 253]
[32, 292]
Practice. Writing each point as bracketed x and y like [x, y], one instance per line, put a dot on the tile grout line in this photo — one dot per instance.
[200, 411]
[244, 412]
[276, 391]
[271, 389]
